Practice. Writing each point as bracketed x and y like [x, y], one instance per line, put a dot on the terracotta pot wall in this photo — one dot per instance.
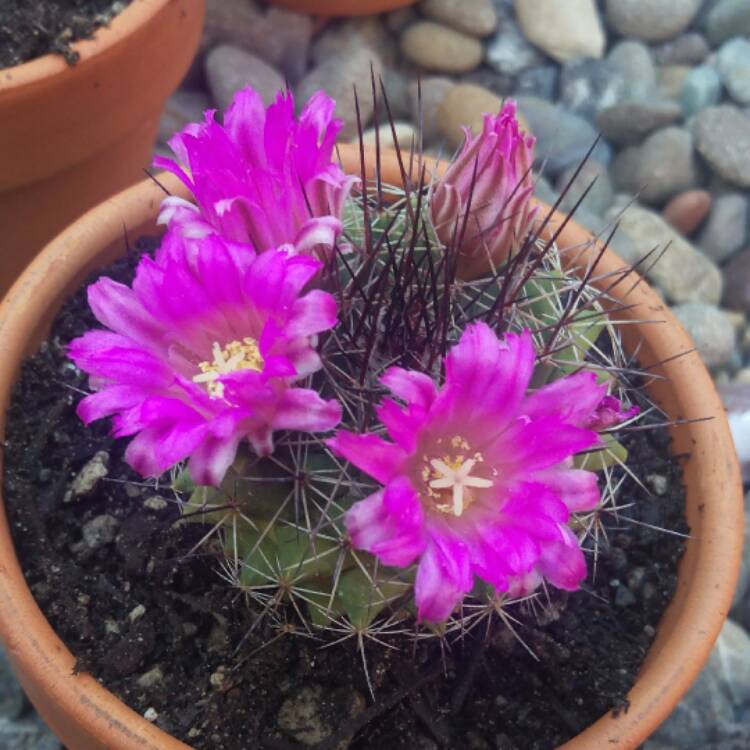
[74, 135]
[85, 715]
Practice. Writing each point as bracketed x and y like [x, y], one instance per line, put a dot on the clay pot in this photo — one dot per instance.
[343, 7]
[88, 717]
[72, 136]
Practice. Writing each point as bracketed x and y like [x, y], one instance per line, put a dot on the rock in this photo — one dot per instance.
[701, 89]
[488, 79]
[563, 138]
[27, 734]
[155, 502]
[433, 91]
[354, 34]
[686, 211]
[627, 122]
[711, 330]
[338, 76]
[733, 65]
[634, 62]
[586, 86]
[684, 273]
[509, 52]
[475, 17]
[736, 400]
[662, 167]
[99, 531]
[398, 20]
[540, 82]
[396, 86]
[279, 36]
[304, 715]
[435, 47]
[722, 137]
[726, 229]
[687, 49]
[229, 69]
[727, 19]
[671, 79]
[563, 30]
[707, 707]
[737, 282]
[406, 134]
[180, 109]
[598, 199]
[152, 677]
[465, 105]
[650, 21]
[89, 476]
[12, 699]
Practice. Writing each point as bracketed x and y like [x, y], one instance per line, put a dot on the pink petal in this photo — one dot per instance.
[577, 488]
[381, 460]
[443, 578]
[573, 399]
[562, 563]
[389, 524]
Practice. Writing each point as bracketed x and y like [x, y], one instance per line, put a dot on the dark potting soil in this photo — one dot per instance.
[155, 623]
[32, 28]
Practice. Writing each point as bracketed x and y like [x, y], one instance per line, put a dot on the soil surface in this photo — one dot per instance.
[152, 620]
[32, 28]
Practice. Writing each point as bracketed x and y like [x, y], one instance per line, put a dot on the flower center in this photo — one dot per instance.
[235, 356]
[449, 479]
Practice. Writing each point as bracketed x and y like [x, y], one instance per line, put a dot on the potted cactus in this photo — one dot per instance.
[86, 130]
[392, 409]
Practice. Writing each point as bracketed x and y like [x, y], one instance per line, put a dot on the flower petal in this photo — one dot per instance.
[369, 453]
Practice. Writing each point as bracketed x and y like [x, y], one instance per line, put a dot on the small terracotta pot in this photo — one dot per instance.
[74, 135]
[343, 7]
[88, 717]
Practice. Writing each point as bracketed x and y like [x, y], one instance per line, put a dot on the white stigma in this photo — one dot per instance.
[456, 479]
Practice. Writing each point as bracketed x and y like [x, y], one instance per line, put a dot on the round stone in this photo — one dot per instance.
[592, 174]
[672, 79]
[727, 19]
[701, 89]
[338, 77]
[540, 82]
[649, 20]
[686, 211]
[627, 122]
[687, 49]
[182, 107]
[722, 137]
[475, 17]
[737, 282]
[587, 85]
[711, 330]
[563, 30]
[435, 47]
[733, 64]
[228, 69]
[406, 135]
[509, 52]
[659, 169]
[426, 96]
[633, 60]
[684, 273]
[726, 229]
[465, 105]
[563, 138]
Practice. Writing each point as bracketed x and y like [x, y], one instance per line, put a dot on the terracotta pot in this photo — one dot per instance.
[72, 136]
[88, 717]
[343, 7]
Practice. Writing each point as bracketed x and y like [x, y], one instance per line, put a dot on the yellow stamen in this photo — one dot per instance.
[235, 356]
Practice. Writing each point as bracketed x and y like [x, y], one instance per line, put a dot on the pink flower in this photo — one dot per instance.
[478, 478]
[203, 352]
[498, 164]
[265, 177]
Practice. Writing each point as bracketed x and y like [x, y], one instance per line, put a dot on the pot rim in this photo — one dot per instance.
[121, 26]
[707, 573]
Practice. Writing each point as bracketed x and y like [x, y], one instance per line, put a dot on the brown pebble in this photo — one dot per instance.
[686, 211]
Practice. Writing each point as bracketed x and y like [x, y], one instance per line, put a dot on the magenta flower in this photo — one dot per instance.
[478, 478]
[265, 177]
[498, 164]
[203, 352]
